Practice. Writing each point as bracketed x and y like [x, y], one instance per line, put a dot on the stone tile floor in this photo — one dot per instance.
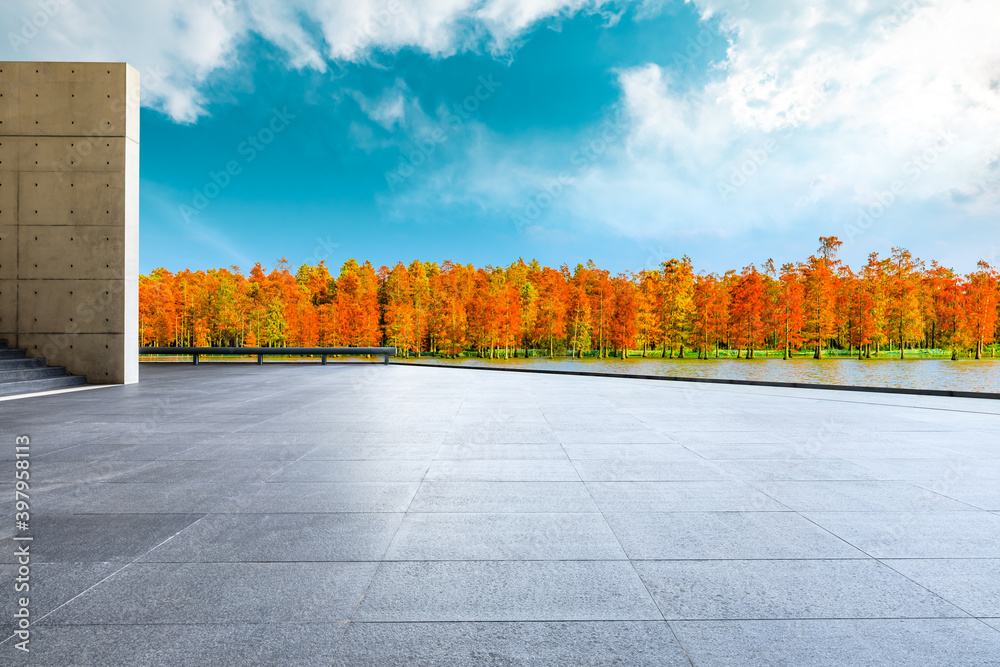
[231, 514]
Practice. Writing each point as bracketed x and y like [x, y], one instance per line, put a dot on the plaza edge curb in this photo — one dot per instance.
[751, 383]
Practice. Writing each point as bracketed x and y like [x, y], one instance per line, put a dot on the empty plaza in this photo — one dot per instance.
[355, 513]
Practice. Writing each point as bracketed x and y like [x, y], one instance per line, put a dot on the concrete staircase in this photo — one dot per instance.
[21, 375]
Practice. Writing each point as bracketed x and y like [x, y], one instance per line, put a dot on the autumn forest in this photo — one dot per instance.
[817, 307]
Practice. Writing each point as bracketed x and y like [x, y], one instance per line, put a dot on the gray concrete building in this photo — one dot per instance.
[69, 215]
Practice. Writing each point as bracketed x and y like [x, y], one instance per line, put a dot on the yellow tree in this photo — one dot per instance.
[676, 303]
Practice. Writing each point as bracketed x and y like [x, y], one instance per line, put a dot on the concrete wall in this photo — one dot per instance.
[69, 215]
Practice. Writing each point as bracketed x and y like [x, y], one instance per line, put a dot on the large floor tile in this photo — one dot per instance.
[141, 498]
[288, 537]
[502, 470]
[835, 643]
[627, 470]
[507, 591]
[319, 497]
[850, 496]
[50, 586]
[540, 643]
[183, 472]
[728, 496]
[351, 471]
[369, 452]
[213, 593]
[224, 645]
[783, 589]
[795, 470]
[498, 451]
[97, 538]
[916, 534]
[981, 493]
[946, 469]
[49, 471]
[532, 536]
[636, 452]
[706, 535]
[598, 434]
[971, 584]
[503, 497]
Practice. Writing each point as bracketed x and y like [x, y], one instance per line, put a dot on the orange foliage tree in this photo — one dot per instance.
[895, 303]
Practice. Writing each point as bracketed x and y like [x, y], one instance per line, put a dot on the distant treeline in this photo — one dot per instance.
[893, 303]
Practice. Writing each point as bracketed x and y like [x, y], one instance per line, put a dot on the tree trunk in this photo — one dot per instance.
[979, 349]
[818, 352]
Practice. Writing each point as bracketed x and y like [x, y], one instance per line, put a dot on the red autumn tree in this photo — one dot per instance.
[747, 311]
[820, 272]
[980, 305]
[622, 327]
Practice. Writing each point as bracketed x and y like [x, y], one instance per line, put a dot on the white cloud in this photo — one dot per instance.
[812, 116]
[837, 102]
[508, 19]
[186, 41]
[389, 109]
[176, 45]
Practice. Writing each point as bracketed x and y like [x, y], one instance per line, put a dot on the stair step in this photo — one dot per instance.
[44, 384]
[20, 374]
[31, 373]
[11, 364]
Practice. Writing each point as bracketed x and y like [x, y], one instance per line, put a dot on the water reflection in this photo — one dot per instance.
[965, 375]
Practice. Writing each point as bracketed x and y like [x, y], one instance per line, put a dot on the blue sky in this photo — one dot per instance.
[486, 130]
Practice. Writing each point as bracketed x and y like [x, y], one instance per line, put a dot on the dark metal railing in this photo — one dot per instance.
[261, 352]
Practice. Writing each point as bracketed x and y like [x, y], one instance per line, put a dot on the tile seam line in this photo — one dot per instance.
[103, 579]
[776, 619]
[937, 595]
[406, 511]
[881, 562]
[607, 523]
[494, 560]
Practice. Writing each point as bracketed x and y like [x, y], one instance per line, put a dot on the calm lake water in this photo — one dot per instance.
[964, 375]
